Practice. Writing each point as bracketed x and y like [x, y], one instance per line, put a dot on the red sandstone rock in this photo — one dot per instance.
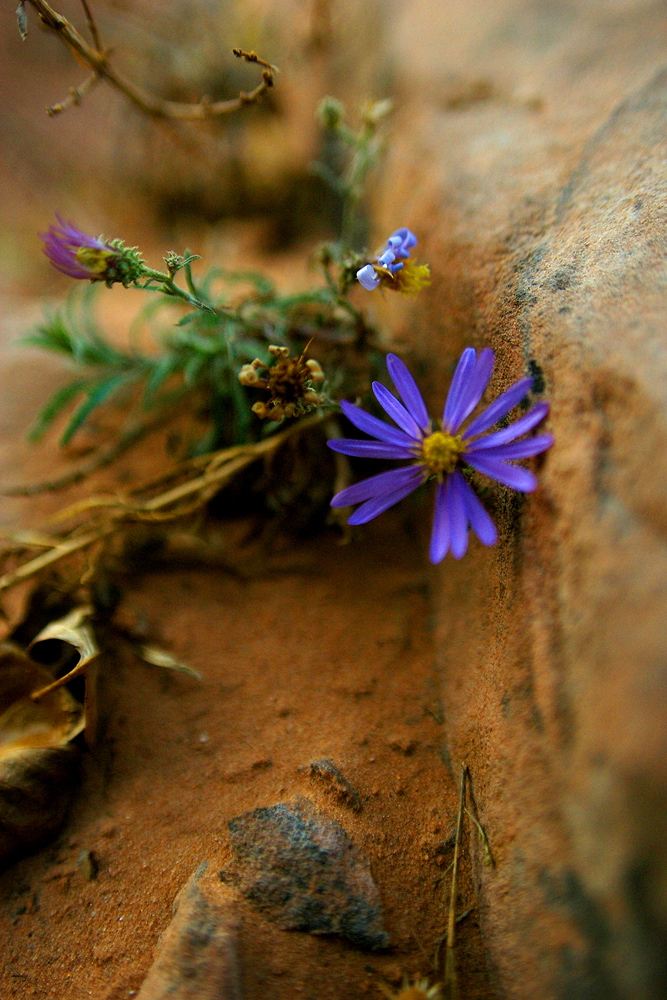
[197, 957]
[546, 227]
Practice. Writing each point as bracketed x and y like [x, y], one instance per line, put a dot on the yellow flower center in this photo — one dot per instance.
[94, 259]
[440, 452]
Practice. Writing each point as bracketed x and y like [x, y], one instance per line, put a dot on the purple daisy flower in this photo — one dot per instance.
[396, 251]
[441, 453]
[78, 255]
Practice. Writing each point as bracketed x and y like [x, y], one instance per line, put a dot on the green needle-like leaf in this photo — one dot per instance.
[97, 395]
[50, 411]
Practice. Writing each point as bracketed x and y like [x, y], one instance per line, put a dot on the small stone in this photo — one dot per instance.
[301, 870]
[329, 777]
[88, 865]
[109, 830]
[197, 958]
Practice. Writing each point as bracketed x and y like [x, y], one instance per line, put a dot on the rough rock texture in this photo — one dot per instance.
[538, 134]
[197, 953]
[302, 871]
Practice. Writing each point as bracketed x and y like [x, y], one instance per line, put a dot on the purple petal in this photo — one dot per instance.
[75, 237]
[367, 277]
[474, 388]
[376, 428]
[515, 430]
[477, 515]
[518, 449]
[65, 260]
[387, 258]
[385, 483]
[500, 407]
[369, 449]
[509, 475]
[396, 411]
[458, 521]
[440, 532]
[402, 241]
[61, 244]
[408, 391]
[457, 388]
[379, 504]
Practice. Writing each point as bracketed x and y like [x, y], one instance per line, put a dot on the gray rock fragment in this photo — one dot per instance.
[302, 871]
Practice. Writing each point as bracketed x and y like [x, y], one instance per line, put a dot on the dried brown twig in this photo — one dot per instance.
[96, 58]
[450, 978]
[448, 939]
[178, 501]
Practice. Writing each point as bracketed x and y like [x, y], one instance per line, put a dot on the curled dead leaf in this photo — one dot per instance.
[162, 658]
[38, 763]
[68, 647]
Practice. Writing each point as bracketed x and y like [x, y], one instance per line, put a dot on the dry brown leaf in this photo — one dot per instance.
[161, 658]
[68, 646]
[67, 635]
[37, 762]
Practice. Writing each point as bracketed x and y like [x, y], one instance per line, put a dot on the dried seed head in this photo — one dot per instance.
[290, 383]
[316, 373]
[419, 990]
[261, 409]
[248, 376]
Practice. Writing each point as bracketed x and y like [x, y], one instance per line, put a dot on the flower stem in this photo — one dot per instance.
[169, 287]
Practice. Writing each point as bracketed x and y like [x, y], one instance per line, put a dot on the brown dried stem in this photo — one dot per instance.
[450, 977]
[75, 95]
[92, 27]
[189, 496]
[97, 60]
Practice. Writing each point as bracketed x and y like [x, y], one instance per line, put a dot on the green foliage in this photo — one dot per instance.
[231, 319]
[200, 353]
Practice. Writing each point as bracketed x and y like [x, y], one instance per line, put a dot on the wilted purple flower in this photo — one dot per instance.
[398, 248]
[441, 454]
[391, 262]
[93, 259]
[368, 277]
[396, 251]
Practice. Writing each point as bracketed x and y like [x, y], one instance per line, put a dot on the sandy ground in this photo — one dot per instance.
[308, 649]
[313, 651]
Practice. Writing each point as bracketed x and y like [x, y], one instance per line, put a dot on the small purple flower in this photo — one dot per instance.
[396, 251]
[368, 277]
[398, 248]
[441, 454]
[78, 255]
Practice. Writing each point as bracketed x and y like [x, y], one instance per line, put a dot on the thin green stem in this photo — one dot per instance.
[169, 287]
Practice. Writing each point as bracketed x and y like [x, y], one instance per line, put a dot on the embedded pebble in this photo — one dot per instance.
[326, 774]
[302, 871]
